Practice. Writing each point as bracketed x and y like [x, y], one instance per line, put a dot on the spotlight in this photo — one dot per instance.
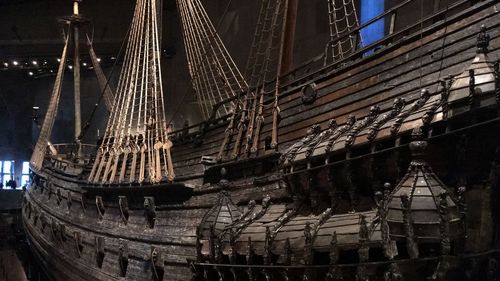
[70, 66]
[34, 62]
[51, 71]
[15, 62]
[84, 64]
[30, 73]
[36, 107]
[113, 58]
[58, 60]
[98, 59]
[6, 64]
[45, 62]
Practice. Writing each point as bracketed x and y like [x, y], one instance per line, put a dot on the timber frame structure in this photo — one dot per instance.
[339, 197]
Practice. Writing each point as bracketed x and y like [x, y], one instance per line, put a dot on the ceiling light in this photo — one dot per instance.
[36, 107]
[58, 60]
[99, 59]
[34, 62]
[15, 62]
[6, 64]
[70, 66]
[84, 64]
[30, 73]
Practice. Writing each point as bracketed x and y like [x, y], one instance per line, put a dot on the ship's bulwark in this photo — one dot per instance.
[81, 234]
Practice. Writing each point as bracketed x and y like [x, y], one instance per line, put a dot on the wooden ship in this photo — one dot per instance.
[313, 173]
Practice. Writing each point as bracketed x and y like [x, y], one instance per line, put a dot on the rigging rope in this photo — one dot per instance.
[137, 124]
[106, 92]
[214, 73]
[48, 122]
[343, 18]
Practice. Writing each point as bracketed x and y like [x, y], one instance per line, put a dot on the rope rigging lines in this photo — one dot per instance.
[263, 64]
[215, 76]
[48, 122]
[136, 147]
[343, 18]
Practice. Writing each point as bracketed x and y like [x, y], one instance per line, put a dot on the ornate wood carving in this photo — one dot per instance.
[363, 250]
[429, 113]
[483, 40]
[368, 120]
[311, 134]
[55, 230]
[250, 258]
[411, 244]
[389, 246]
[150, 211]
[99, 250]
[334, 273]
[77, 239]
[43, 222]
[157, 264]
[393, 273]
[82, 202]
[100, 207]
[472, 88]
[287, 259]
[58, 196]
[332, 127]
[445, 226]
[69, 200]
[267, 247]
[233, 255]
[397, 107]
[123, 256]
[351, 120]
[462, 207]
[424, 96]
[123, 205]
[308, 250]
[242, 224]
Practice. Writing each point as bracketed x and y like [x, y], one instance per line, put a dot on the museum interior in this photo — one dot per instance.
[263, 140]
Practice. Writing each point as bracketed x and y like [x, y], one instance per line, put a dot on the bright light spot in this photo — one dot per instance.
[51, 71]
[58, 60]
[84, 64]
[30, 73]
[5, 64]
[70, 66]
[15, 62]
[36, 107]
[113, 58]
[34, 62]
[99, 59]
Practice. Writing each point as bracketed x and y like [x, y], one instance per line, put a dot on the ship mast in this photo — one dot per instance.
[76, 76]
[74, 24]
[289, 37]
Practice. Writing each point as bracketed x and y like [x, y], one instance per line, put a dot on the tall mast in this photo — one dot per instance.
[76, 76]
[289, 37]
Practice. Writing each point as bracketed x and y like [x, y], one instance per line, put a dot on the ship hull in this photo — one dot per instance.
[81, 231]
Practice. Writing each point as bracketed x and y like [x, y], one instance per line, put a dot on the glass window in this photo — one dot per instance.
[26, 168]
[7, 167]
[25, 179]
